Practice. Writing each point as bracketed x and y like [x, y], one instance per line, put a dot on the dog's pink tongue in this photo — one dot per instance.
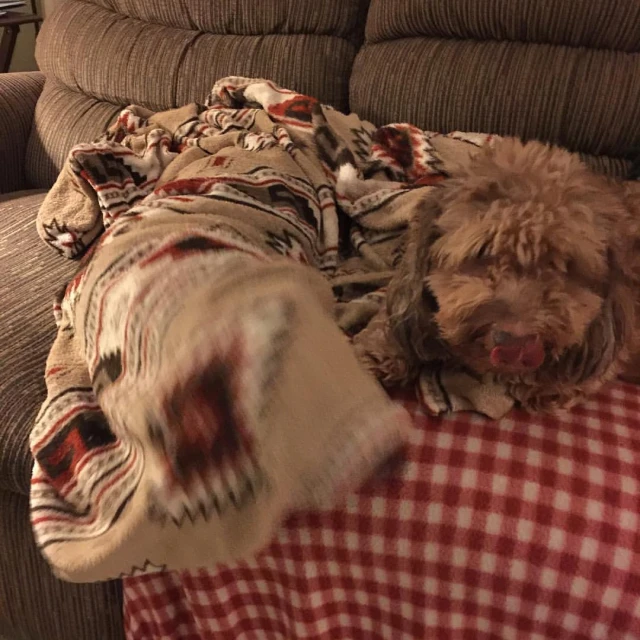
[533, 355]
[505, 355]
[529, 355]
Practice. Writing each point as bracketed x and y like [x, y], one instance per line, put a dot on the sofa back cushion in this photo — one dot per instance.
[565, 71]
[100, 55]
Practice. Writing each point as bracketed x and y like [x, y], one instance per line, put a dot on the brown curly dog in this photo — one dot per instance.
[525, 265]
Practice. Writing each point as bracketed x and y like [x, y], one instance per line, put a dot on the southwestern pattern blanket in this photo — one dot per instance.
[200, 388]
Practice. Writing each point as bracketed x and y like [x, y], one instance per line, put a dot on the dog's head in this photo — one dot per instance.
[513, 265]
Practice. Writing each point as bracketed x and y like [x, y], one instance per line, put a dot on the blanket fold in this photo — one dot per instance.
[200, 388]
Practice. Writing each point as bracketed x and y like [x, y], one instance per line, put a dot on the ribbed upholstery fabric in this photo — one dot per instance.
[605, 24]
[162, 54]
[18, 95]
[31, 274]
[315, 65]
[163, 66]
[328, 17]
[614, 167]
[586, 99]
[36, 606]
[63, 118]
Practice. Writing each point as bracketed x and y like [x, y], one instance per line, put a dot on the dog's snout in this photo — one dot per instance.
[515, 335]
[502, 337]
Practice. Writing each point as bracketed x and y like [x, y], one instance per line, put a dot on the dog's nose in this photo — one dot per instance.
[501, 337]
[515, 336]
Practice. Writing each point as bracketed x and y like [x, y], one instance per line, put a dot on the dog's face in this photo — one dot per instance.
[514, 258]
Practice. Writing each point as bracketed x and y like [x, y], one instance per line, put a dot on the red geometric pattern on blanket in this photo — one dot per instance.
[297, 111]
[208, 428]
[406, 150]
[522, 528]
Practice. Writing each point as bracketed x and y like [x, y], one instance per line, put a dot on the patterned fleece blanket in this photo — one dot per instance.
[199, 387]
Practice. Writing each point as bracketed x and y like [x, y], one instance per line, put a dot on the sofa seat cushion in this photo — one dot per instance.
[31, 273]
[34, 604]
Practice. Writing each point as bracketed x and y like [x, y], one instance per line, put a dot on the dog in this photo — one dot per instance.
[524, 266]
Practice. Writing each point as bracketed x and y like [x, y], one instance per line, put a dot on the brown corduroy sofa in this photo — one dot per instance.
[566, 71]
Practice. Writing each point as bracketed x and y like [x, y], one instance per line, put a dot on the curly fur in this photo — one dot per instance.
[526, 236]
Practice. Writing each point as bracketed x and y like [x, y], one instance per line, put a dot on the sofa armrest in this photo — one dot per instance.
[19, 93]
[31, 273]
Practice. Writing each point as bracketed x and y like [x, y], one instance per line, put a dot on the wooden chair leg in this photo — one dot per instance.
[34, 10]
[7, 46]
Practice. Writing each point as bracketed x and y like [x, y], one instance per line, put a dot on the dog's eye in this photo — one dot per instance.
[554, 263]
[483, 250]
[560, 265]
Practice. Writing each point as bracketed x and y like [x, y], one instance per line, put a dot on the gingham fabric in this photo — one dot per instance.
[522, 528]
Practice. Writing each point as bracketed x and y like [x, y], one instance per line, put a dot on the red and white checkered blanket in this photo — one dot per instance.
[522, 528]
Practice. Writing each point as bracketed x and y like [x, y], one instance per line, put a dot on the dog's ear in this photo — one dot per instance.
[623, 261]
[622, 294]
[410, 302]
[608, 336]
[623, 257]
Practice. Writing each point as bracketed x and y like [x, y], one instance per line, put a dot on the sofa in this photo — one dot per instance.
[563, 71]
